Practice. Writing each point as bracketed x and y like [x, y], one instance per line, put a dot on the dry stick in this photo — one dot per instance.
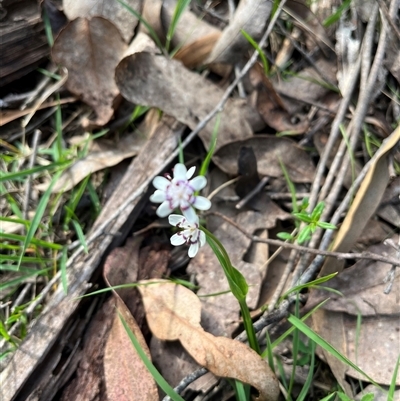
[217, 109]
[339, 255]
[342, 158]
[326, 239]
[389, 19]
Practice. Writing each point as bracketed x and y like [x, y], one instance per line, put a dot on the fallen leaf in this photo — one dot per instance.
[112, 10]
[126, 376]
[365, 203]
[269, 150]
[189, 28]
[155, 81]
[250, 16]
[362, 286]
[271, 107]
[173, 313]
[88, 383]
[91, 49]
[104, 153]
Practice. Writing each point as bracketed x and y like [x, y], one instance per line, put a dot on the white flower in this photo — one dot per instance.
[190, 234]
[179, 192]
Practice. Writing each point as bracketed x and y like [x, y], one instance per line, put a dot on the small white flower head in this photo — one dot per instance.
[179, 192]
[190, 234]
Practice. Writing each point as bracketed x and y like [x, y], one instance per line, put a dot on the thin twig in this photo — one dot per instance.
[339, 255]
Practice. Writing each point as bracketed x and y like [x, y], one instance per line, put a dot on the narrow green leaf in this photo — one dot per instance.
[81, 235]
[41, 208]
[392, 387]
[258, 49]
[63, 268]
[326, 346]
[150, 367]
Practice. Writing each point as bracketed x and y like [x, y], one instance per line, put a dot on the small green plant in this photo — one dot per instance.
[311, 220]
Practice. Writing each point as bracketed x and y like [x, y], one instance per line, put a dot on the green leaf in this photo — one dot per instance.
[304, 235]
[285, 236]
[303, 217]
[258, 49]
[81, 235]
[326, 226]
[368, 397]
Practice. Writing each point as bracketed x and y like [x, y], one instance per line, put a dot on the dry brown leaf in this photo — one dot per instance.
[91, 49]
[250, 16]
[155, 81]
[194, 54]
[112, 10]
[365, 203]
[268, 150]
[126, 376]
[173, 313]
[306, 86]
[270, 105]
[362, 286]
[104, 153]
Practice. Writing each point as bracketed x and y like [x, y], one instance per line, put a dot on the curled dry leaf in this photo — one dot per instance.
[104, 153]
[155, 81]
[251, 16]
[269, 150]
[365, 203]
[173, 313]
[112, 10]
[91, 49]
[362, 287]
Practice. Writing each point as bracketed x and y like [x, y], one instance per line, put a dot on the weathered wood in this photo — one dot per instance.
[20, 376]
[23, 43]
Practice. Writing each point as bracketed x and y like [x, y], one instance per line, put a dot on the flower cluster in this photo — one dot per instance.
[179, 192]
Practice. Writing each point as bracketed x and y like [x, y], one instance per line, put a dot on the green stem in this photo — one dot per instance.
[248, 326]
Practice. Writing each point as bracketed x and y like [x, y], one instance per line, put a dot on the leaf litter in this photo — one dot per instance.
[104, 67]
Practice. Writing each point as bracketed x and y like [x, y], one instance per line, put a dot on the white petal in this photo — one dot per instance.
[202, 238]
[177, 240]
[163, 210]
[190, 215]
[193, 249]
[175, 219]
[202, 203]
[190, 172]
[161, 183]
[180, 171]
[198, 182]
[158, 196]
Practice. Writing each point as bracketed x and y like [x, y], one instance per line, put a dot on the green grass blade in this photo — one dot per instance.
[152, 32]
[258, 49]
[18, 280]
[34, 241]
[63, 268]
[81, 235]
[307, 384]
[312, 335]
[392, 387]
[41, 208]
[181, 5]
[336, 15]
[213, 144]
[151, 368]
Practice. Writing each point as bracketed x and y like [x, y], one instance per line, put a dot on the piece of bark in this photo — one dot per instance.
[23, 44]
